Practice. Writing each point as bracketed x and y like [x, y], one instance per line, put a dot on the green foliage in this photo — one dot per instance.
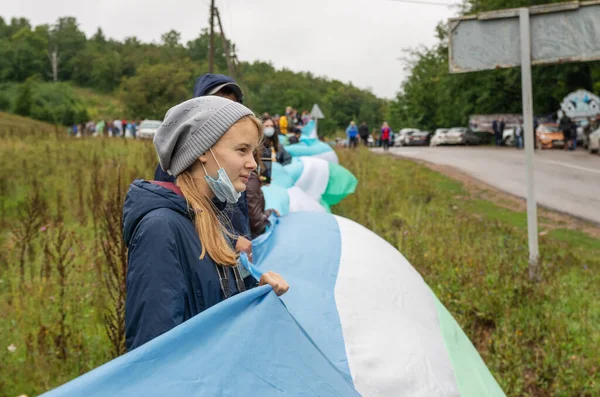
[537, 339]
[24, 100]
[56, 103]
[154, 89]
[151, 78]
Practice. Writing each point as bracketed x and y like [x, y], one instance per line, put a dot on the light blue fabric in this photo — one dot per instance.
[280, 177]
[294, 169]
[277, 198]
[313, 271]
[304, 149]
[248, 345]
[307, 130]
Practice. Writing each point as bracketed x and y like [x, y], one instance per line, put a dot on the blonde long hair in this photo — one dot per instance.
[209, 225]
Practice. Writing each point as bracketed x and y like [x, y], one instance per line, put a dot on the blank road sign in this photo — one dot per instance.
[564, 32]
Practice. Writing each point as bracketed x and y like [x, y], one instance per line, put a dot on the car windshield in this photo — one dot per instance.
[150, 124]
[441, 131]
[549, 129]
[458, 130]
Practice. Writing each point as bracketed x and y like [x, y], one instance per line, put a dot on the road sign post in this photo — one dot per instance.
[554, 33]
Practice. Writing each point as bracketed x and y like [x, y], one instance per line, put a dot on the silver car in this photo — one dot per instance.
[147, 129]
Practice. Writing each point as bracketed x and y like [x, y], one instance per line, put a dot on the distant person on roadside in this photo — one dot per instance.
[385, 136]
[573, 135]
[352, 135]
[496, 128]
[501, 127]
[519, 136]
[117, 128]
[565, 126]
[363, 131]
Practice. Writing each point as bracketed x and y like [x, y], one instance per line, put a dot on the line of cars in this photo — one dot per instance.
[549, 135]
[441, 136]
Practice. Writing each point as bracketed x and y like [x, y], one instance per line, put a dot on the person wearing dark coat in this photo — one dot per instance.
[180, 261]
[363, 132]
[223, 86]
[495, 128]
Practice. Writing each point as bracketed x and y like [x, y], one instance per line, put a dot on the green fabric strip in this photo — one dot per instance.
[473, 377]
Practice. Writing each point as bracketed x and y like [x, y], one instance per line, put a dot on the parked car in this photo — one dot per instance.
[548, 136]
[401, 138]
[594, 141]
[508, 137]
[148, 128]
[419, 138]
[439, 137]
[461, 136]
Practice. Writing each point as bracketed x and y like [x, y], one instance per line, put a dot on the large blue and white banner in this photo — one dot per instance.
[357, 320]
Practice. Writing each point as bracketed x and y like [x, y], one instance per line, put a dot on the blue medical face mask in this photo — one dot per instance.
[222, 186]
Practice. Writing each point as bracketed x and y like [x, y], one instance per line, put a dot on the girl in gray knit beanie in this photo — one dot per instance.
[178, 246]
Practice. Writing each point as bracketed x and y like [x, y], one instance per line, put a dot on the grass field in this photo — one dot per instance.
[62, 260]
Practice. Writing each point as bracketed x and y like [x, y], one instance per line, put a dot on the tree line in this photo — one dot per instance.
[149, 78]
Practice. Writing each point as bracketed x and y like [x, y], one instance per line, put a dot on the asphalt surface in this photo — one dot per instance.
[565, 181]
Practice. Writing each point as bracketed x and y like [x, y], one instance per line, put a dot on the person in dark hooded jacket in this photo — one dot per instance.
[180, 261]
[239, 218]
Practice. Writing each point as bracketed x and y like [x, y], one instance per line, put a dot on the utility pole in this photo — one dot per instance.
[230, 62]
[211, 52]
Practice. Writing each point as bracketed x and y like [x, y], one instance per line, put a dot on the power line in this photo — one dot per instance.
[430, 3]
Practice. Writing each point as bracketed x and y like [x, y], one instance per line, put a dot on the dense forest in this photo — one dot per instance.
[148, 78]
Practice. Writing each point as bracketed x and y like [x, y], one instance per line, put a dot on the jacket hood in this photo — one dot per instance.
[208, 82]
[144, 197]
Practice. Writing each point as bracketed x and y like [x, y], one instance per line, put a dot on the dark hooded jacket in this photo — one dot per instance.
[167, 282]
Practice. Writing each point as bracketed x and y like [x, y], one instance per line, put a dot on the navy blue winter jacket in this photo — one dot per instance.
[167, 282]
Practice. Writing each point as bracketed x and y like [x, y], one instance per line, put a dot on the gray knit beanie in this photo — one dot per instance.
[193, 127]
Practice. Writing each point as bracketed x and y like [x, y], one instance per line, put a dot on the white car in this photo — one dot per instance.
[147, 129]
[508, 137]
[439, 137]
[594, 143]
[401, 139]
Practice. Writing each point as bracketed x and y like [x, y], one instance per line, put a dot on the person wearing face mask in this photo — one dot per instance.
[180, 259]
[272, 150]
[226, 87]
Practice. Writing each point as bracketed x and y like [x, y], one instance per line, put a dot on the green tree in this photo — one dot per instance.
[156, 88]
[69, 41]
[24, 100]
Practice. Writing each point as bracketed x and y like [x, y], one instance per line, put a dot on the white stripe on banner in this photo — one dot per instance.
[314, 177]
[327, 156]
[301, 202]
[388, 315]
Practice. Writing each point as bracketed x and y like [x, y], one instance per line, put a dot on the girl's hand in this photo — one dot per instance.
[280, 286]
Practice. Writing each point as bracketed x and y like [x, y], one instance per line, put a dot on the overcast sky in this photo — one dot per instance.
[355, 41]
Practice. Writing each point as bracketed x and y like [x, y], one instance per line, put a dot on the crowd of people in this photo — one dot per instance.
[381, 137]
[112, 128]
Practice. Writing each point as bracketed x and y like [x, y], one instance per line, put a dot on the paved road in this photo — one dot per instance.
[566, 181]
